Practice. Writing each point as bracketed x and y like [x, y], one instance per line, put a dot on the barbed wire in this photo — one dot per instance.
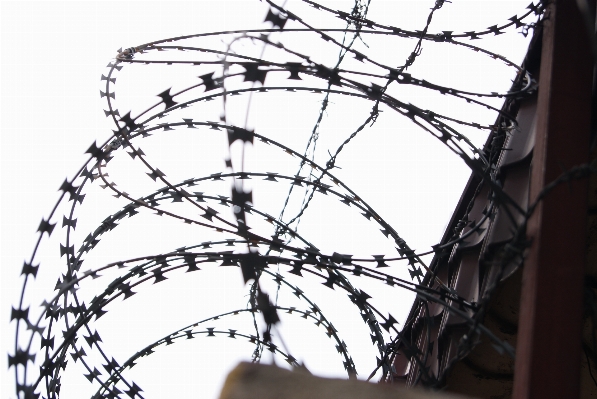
[40, 354]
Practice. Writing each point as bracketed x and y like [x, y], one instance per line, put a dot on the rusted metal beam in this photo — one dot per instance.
[549, 336]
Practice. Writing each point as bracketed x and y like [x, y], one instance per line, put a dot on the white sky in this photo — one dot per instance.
[53, 54]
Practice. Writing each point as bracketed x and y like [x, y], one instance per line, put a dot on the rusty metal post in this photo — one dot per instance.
[549, 336]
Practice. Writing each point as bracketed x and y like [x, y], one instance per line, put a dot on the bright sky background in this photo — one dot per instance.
[53, 54]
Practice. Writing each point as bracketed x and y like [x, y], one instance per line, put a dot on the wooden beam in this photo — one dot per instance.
[549, 336]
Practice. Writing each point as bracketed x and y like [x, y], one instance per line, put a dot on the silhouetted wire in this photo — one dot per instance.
[333, 270]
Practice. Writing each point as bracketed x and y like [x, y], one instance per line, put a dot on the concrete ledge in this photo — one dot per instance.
[258, 381]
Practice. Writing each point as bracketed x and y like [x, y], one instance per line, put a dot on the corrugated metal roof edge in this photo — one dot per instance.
[530, 62]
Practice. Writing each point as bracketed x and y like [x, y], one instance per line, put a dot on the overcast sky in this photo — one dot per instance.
[53, 54]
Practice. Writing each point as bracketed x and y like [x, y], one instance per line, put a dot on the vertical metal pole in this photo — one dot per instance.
[549, 336]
